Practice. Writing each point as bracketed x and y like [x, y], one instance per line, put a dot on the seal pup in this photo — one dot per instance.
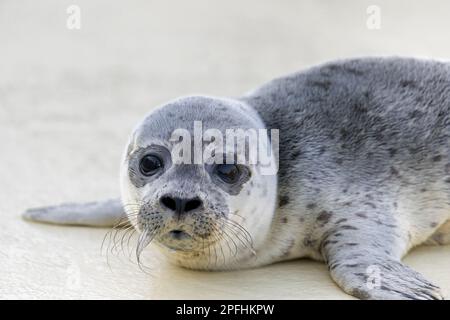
[364, 176]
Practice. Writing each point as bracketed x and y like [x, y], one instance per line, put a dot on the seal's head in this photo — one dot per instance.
[190, 182]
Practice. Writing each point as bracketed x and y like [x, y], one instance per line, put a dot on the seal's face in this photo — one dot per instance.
[203, 214]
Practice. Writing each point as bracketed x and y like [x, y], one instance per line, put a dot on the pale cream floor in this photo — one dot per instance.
[68, 99]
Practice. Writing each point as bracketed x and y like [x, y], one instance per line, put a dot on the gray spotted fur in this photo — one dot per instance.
[371, 148]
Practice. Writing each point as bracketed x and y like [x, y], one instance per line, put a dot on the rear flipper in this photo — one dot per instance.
[97, 214]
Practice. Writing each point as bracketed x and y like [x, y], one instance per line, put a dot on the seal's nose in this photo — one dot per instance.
[180, 205]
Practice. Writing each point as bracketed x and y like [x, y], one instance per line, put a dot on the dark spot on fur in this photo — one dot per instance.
[353, 71]
[341, 220]
[296, 154]
[322, 151]
[284, 220]
[309, 243]
[284, 200]
[408, 83]
[311, 205]
[361, 294]
[392, 152]
[334, 67]
[344, 133]
[347, 69]
[324, 217]
[379, 136]
[347, 227]
[287, 250]
[339, 161]
[433, 224]
[414, 150]
[370, 204]
[447, 180]
[437, 158]
[361, 215]
[352, 265]
[351, 244]
[423, 190]
[394, 172]
[384, 288]
[327, 242]
[359, 108]
[325, 84]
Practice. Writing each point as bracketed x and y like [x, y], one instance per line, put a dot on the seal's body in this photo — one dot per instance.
[364, 176]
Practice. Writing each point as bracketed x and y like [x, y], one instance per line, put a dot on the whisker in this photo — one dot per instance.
[238, 233]
[242, 229]
[227, 237]
[122, 239]
[143, 241]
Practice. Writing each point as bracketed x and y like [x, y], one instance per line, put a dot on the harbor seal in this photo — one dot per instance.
[363, 176]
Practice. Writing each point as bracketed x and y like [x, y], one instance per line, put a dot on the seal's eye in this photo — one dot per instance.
[229, 173]
[150, 164]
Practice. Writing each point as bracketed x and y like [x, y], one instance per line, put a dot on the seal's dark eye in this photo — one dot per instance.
[149, 165]
[229, 173]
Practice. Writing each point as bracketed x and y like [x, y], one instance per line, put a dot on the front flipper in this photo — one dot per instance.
[97, 214]
[364, 260]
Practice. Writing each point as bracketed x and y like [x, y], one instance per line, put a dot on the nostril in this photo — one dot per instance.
[180, 205]
[169, 203]
[192, 204]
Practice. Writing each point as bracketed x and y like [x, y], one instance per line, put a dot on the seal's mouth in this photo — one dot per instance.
[177, 239]
[177, 234]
